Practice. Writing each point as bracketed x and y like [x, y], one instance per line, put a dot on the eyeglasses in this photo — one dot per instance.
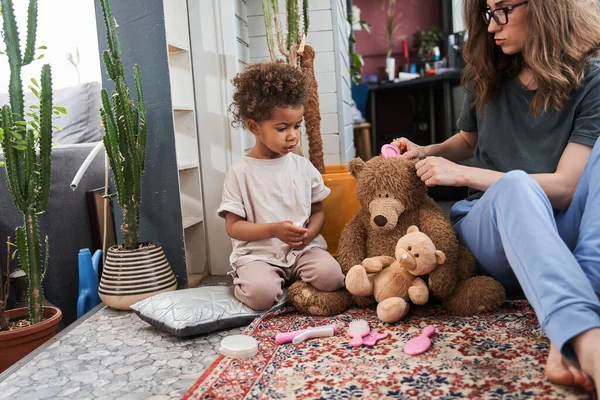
[500, 15]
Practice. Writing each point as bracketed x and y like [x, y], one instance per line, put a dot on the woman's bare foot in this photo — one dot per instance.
[587, 348]
[561, 371]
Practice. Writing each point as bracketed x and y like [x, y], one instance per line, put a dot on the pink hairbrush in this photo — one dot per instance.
[357, 330]
[372, 337]
[389, 151]
[420, 344]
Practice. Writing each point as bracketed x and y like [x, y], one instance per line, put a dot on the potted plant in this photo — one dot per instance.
[425, 42]
[27, 146]
[356, 60]
[297, 53]
[132, 271]
[341, 205]
[4, 290]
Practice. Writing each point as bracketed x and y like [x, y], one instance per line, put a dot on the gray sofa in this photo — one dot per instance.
[66, 221]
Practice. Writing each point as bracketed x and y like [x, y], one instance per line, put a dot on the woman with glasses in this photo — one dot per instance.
[530, 121]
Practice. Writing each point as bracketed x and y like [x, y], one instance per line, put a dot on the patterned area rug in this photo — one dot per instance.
[494, 356]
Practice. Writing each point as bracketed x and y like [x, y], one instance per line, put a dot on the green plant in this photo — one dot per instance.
[295, 39]
[299, 55]
[425, 41]
[125, 127]
[392, 24]
[27, 149]
[356, 60]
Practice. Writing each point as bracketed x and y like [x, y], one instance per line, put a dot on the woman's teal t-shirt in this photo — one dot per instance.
[510, 137]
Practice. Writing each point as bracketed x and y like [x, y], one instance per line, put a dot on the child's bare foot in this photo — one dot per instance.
[561, 371]
[587, 348]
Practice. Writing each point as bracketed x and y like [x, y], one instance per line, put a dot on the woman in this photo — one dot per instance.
[531, 121]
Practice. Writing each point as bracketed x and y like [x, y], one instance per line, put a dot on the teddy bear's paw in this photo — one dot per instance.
[418, 295]
[364, 301]
[392, 310]
[480, 294]
[307, 299]
[358, 283]
[376, 264]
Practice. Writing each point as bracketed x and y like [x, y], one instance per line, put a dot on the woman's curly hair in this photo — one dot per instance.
[262, 87]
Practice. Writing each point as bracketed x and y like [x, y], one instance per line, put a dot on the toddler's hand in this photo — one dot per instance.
[289, 234]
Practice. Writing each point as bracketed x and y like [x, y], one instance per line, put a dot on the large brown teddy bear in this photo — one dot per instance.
[393, 198]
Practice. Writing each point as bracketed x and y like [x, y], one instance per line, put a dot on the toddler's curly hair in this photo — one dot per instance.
[262, 87]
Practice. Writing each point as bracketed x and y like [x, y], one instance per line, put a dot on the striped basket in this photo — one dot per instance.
[133, 275]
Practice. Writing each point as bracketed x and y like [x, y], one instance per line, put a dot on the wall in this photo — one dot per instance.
[142, 36]
[415, 15]
[63, 26]
[328, 34]
[457, 19]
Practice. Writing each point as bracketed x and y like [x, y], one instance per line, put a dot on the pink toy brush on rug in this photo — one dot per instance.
[420, 344]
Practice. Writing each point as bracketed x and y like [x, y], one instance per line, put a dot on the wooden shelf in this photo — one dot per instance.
[186, 139]
[183, 167]
[177, 48]
[195, 250]
[191, 221]
[182, 107]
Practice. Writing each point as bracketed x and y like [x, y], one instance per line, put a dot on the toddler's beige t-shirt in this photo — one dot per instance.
[265, 191]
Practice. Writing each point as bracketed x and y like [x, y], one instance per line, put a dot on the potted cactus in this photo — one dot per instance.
[293, 47]
[27, 146]
[4, 290]
[132, 271]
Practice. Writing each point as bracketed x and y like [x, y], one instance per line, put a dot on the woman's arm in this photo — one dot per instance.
[559, 186]
[459, 147]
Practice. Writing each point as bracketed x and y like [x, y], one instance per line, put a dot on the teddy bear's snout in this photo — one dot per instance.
[380, 220]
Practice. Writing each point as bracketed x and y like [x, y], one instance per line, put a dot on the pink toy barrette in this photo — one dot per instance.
[372, 337]
[301, 335]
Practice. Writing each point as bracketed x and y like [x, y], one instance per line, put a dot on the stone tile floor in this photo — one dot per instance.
[114, 355]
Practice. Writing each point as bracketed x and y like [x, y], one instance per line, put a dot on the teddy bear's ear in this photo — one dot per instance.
[412, 228]
[356, 166]
[440, 256]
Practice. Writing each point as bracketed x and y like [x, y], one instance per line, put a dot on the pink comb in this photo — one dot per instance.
[372, 337]
[420, 344]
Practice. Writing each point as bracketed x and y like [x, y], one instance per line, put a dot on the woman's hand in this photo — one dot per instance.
[437, 171]
[408, 149]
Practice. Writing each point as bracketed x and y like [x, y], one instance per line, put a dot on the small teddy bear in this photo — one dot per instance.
[394, 281]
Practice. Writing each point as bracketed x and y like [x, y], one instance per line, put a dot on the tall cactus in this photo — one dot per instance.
[125, 127]
[295, 38]
[299, 54]
[27, 149]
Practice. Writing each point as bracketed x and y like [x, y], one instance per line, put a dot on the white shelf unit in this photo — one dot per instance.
[186, 138]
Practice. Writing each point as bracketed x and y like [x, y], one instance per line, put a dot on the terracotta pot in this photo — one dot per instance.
[130, 276]
[16, 344]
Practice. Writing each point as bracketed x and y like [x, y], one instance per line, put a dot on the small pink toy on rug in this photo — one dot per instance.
[420, 344]
[372, 337]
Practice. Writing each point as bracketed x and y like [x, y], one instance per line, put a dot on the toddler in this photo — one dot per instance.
[272, 197]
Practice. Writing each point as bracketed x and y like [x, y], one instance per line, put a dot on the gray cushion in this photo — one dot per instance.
[198, 311]
[82, 123]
